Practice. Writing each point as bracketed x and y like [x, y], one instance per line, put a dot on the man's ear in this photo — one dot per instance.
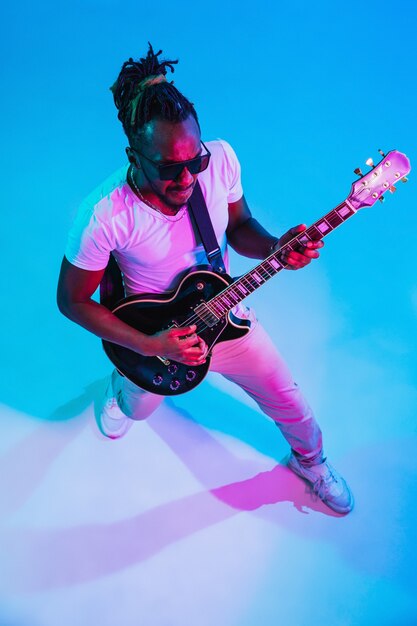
[131, 156]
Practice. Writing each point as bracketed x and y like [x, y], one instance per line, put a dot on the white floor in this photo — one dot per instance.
[193, 518]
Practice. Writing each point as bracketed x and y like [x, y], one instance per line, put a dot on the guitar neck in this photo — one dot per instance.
[249, 282]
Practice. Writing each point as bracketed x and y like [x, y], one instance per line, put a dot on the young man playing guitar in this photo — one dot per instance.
[140, 215]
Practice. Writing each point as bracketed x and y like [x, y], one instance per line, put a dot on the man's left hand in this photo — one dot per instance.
[296, 259]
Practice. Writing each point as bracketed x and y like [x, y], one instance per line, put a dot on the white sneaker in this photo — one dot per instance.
[326, 483]
[112, 422]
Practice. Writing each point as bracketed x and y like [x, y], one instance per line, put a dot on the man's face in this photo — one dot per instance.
[164, 143]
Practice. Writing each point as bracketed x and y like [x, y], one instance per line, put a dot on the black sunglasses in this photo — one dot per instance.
[171, 171]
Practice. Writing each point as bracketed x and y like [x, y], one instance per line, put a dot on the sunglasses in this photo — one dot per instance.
[171, 171]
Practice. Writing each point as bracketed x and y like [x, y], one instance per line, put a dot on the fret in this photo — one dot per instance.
[291, 245]
[233, 295]
[268, 268]
[220, 311]
[224, 306]
[257, 277]
[277, 265]
[237, 293]
[242, 289]
[344, 211]
[219, 304]
[212, 308]
[304, 238]
[264, 273]
[323, 226]
[225, 300]
[334, 219]
[314, 232]
[250, 282]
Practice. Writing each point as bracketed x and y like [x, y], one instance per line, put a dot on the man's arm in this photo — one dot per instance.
[75, 288]
[248, 238]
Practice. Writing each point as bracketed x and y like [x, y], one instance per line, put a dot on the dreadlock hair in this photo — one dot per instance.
[138, 104]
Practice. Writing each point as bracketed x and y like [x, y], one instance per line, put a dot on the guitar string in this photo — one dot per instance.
[199, 322]
[201, 325]
[249, 275]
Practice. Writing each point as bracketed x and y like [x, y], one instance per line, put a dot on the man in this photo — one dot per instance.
[140, 216]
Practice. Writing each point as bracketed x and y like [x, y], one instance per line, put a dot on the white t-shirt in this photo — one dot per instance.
[151, 248]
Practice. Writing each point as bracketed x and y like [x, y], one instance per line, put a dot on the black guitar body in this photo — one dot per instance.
[151, 313]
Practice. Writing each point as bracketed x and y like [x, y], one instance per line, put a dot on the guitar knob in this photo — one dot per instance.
[157, 379]
[175, 383]
[190, 375]
[172, 369]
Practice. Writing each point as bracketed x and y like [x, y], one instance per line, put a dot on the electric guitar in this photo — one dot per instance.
[206, 298]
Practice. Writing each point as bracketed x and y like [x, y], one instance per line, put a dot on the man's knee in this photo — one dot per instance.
[140, 405]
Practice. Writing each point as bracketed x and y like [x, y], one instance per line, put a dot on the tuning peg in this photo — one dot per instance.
[404, 179]
[358, 172]
[369, 162]
[381, 198]
[393, 189]
[380, 152]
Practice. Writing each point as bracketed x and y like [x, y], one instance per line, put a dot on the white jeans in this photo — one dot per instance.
[253, 363]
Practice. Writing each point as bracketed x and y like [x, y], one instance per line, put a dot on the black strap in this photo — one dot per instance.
[111, 285]
[205, 228]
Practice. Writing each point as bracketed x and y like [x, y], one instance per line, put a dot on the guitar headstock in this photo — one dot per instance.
[372, 186]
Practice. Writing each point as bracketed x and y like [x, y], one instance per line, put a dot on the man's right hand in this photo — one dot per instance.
[180, 344]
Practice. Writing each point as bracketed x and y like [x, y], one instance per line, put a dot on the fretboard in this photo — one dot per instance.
[246, 284]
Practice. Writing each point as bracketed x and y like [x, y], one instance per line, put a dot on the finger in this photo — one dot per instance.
[190, 361]
[193, 354]
[311, 253]
[200, 349]
[187, 342]
[184, 331]
[202, 344]
[319, 243]
[298, 229]
[193, 363]
[297, 260]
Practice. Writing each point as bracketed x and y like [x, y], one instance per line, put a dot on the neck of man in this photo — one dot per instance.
[151, 198]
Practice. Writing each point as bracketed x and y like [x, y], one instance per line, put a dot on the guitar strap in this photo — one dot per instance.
[111, 286]
[198, 210]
